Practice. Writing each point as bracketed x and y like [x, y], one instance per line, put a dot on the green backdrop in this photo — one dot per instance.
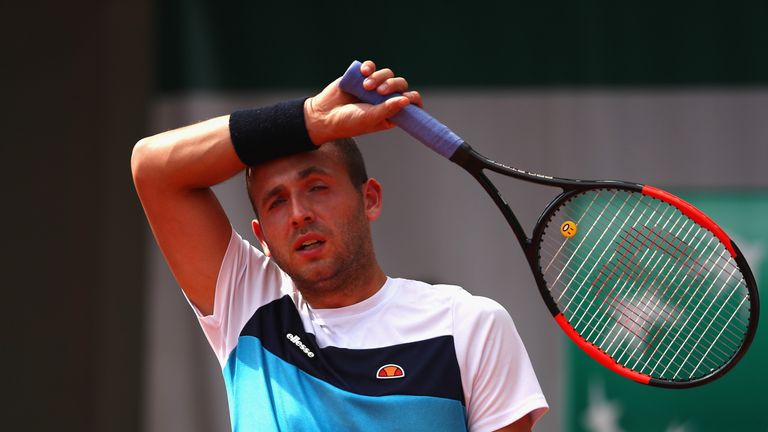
[244, 44]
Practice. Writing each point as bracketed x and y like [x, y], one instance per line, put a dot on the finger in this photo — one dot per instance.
[376, 115]
[382, 75]
[377, 77]
[368, 67]
[393, 85]
[415, 98]
[390, 107]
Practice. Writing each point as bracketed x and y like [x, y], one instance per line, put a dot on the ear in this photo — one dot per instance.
[256, 227]
[372, 198]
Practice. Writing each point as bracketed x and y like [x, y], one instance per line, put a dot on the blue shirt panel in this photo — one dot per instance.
[266, 393]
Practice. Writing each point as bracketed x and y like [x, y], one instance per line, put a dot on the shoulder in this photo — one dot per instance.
[459, 298]
[243, 263]
[464, 309]
[478, 305]
[482, 325]
[428, 296]
[468, 308]
[241, 252]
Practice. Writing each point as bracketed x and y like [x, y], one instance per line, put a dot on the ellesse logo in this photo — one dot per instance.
[390, 371]
[297, 341]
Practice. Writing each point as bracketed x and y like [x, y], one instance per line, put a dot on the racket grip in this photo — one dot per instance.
[412, 119]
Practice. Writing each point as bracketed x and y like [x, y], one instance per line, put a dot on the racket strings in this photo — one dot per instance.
[693, 332]
[634, 269]
[701, 359]
[645, 303]
[562, 245]
[636, 236]
[608, 301]
[718, 336]
[626, 272]
[716, 360]
[672, 248]
[635, 319]
[581, 242]
[572, 253]
[625, 269]
[645, 267]
[646, 237]
[641, 326]
[640, 322]
[719, 264]
[631, 328]
[695, 347]
[589, 323]
[599, 224]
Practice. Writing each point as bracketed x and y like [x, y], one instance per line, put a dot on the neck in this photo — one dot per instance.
[343, 291]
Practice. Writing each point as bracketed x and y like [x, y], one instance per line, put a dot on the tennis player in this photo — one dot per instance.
[311, 334]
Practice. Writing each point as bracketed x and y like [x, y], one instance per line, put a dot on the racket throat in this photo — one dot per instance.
[503, 206]
[473, 163]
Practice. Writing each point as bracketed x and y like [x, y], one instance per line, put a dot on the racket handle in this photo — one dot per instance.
[412, 119]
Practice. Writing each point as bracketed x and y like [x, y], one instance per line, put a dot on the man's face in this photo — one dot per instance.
[313, 221]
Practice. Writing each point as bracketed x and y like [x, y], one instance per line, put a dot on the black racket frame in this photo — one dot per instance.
[474, 163]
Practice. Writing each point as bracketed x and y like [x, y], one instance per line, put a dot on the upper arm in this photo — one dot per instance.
[501, 388]
[523, 424]
[193, 232]
[173, 173]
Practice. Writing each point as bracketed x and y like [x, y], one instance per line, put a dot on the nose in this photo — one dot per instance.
[301, 214]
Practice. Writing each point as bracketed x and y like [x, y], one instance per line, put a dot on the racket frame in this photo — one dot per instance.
[475, 163]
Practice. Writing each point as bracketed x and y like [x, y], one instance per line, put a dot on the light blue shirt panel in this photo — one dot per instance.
[268, 394]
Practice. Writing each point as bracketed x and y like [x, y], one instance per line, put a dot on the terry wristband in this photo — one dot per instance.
[263, 134]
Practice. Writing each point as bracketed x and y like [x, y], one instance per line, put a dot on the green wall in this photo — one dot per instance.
[247, 44]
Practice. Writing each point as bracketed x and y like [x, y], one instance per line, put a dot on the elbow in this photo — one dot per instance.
[141, 162]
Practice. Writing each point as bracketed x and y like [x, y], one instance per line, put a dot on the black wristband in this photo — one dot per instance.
[263, 134]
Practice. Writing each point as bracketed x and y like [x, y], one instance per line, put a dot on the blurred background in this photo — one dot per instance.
[673, 94]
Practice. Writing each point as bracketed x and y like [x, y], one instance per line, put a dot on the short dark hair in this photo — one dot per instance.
[350, 155]
[353, 160]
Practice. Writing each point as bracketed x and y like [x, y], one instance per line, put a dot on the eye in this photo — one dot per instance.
[276, 203]
[318, 187]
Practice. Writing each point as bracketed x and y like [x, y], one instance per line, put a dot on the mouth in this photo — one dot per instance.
[309, 245]
[308, 242]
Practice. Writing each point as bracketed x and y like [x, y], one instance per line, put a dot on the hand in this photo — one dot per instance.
[333, 114]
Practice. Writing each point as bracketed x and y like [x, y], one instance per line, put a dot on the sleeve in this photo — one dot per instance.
[247, 280]
[500, 386]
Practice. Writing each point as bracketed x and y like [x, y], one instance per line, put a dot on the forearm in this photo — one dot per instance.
[192, 157]
[202, 155]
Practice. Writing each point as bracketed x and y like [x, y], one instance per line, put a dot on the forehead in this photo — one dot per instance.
[323, 161]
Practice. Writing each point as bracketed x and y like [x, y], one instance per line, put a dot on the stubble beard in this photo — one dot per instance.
[347, 269]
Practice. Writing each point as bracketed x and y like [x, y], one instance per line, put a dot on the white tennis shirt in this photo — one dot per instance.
[412, 357]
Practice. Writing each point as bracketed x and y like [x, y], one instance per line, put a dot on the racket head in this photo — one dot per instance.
[645, 283]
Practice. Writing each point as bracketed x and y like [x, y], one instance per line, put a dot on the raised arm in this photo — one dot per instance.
[173, 172]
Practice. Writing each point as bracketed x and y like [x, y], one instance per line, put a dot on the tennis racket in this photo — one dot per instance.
[642, 281]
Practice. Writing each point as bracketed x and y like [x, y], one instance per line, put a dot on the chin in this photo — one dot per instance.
[319, 279]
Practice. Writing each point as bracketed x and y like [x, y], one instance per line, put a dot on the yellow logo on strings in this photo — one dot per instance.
[568, 229]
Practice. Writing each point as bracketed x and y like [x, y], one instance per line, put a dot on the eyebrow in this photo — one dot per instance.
[308, 171]
[304, 173]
